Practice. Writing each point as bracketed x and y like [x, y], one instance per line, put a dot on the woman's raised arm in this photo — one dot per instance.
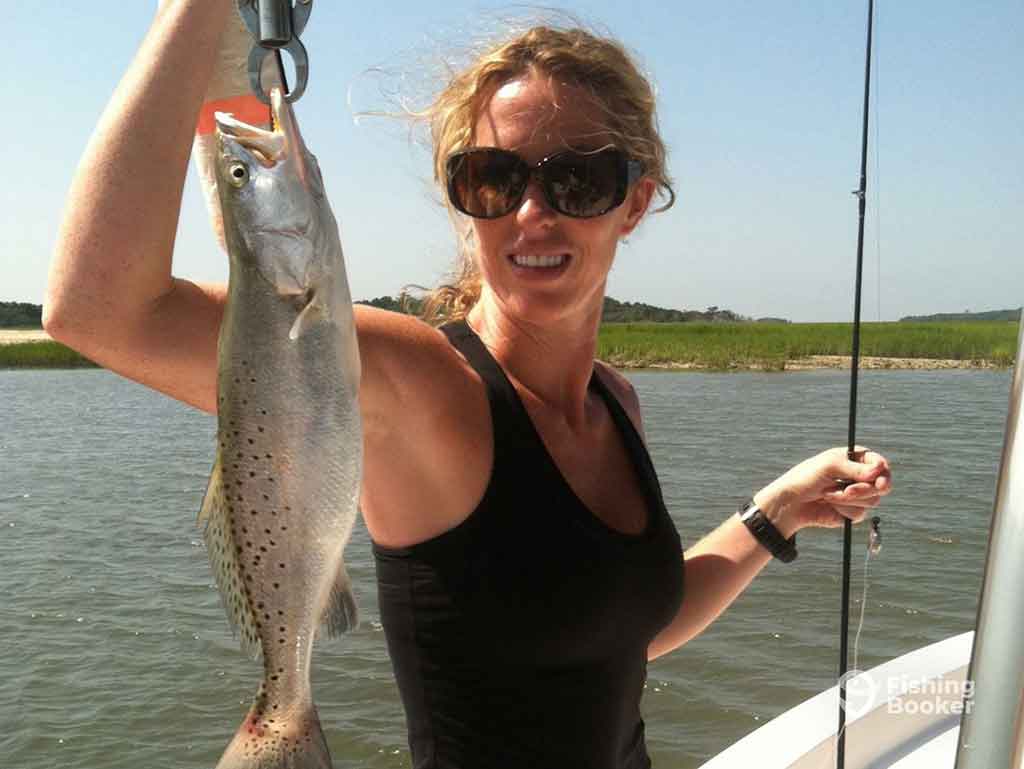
[111, 294]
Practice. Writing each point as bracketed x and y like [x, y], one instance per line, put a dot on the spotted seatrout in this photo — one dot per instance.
[283, 493]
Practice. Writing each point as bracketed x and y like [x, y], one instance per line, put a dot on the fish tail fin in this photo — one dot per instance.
[292, 740]
[341, 613]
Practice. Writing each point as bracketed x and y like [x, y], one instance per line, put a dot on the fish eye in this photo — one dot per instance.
[238, 174]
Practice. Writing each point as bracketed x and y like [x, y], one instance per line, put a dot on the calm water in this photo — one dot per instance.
[117, 652]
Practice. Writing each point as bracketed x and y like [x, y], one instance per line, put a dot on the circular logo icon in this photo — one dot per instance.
[861, 692]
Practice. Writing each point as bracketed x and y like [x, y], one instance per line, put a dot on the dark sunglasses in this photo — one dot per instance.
[487, 182]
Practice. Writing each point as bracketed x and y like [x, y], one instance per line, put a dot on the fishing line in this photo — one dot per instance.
[874, 546]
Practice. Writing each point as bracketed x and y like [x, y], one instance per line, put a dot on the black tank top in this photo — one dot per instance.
[519, 637]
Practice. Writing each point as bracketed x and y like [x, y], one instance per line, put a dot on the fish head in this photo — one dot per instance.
[276, 217]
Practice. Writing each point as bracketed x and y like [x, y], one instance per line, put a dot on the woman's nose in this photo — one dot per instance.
[534, 209]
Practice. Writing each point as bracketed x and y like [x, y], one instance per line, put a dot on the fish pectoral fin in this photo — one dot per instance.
[311, 314]
[341, 613]
[221, 548]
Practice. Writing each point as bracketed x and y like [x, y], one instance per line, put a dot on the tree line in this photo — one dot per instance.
[614, 311]
[21, 315]
[26, 315]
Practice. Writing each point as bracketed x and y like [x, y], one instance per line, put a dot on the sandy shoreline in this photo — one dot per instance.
[17, 336]
[817, 362]
[814, 362]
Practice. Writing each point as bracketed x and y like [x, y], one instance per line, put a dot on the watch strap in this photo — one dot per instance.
[767, 534]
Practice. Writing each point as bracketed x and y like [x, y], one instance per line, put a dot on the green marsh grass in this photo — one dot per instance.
[718, 346]
[41, 355]
[769, 345]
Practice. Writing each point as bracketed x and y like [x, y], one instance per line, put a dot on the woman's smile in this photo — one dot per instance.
[539, 267]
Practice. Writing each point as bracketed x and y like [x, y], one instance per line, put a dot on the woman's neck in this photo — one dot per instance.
[552, 361]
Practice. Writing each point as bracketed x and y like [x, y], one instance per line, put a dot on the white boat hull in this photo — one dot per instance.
[904, 714]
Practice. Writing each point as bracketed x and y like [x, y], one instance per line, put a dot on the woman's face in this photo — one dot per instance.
[536, 117]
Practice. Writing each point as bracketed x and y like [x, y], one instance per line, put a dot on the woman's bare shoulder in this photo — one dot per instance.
[426, 430]
[623, 391]
[409, 367]
[400, 350]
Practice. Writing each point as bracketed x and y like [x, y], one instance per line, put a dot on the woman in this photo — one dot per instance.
[527, 566]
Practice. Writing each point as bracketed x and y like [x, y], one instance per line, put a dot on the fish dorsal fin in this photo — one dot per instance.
[220, 546]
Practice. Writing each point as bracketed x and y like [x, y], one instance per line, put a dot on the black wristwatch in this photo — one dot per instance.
[766, 533]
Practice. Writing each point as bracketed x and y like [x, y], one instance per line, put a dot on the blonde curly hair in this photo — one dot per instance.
[574, 55]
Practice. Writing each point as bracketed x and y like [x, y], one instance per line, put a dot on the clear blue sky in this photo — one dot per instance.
[760, 104]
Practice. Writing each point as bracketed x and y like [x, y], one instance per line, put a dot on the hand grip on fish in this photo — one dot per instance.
[284, 489]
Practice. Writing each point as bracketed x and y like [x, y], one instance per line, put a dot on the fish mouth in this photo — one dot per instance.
[269, 147]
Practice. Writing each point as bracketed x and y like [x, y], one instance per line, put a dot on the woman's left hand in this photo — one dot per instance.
[813, 493]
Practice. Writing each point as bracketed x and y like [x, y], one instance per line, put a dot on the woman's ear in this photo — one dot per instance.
[638, 200]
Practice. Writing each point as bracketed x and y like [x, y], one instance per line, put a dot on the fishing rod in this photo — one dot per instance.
[860, 192]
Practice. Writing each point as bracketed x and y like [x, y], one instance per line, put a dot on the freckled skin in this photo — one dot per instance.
[289, 438]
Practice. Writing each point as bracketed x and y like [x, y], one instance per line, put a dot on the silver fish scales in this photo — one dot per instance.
[284, 490]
